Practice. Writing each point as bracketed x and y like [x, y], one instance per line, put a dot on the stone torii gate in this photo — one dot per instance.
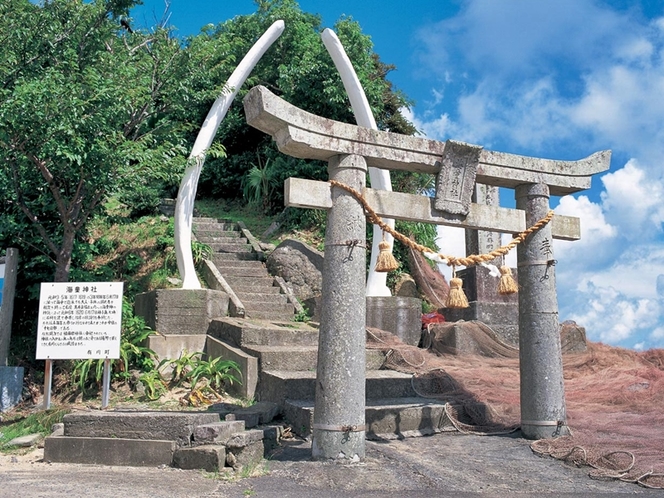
[339, 412]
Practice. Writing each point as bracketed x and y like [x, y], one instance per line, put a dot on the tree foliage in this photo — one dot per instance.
[299, 69]
[86, 108]
[91, 109]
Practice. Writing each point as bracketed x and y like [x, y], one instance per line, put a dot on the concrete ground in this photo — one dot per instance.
[442, 465]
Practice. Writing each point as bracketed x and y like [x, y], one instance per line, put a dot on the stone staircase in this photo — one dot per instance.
[238, 257]
[286, 375]
[225, 437]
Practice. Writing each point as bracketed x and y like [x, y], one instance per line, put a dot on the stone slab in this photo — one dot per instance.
[400, 315]
[502, 318]
[265, 410]
[218, 432]
[284, 357]
[456, 178]
[171, 426]
[277, 386]
[250, 455]
[11, 387]
[26, 441]
[240, 332]
[307, 136]
[172, 346]
[246, 388]
[109, 451]
[479, 285]
[244, 438]
[181, 311]
[385, 418]
[209, 458]
[314, 194]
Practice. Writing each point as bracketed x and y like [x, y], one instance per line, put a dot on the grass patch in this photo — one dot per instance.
[35, 423]
[140, 252]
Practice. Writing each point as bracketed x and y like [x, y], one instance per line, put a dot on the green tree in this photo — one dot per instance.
[299, 69]
[85, 108]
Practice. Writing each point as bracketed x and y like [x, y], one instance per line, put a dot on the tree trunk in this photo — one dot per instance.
[63, 262]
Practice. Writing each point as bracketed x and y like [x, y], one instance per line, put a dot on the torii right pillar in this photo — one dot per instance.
[543, 412]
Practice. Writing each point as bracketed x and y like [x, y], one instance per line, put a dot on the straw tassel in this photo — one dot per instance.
[507, 284]
[456, 298]
[385, 261]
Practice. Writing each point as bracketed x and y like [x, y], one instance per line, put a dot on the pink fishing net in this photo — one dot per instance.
[614, 398]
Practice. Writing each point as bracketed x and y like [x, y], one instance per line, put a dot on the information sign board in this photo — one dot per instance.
[79, 321]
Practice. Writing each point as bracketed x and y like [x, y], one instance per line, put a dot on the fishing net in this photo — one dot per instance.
[614, 397]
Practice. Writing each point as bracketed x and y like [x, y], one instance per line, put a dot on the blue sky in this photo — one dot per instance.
[550, 78]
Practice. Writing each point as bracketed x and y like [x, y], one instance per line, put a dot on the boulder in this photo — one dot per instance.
[406, 286]
[572, 337]
[300, 265]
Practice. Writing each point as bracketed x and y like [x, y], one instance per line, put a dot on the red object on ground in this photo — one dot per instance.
[429, 318]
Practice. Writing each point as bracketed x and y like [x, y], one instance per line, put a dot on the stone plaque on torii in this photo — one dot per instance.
[339, 430]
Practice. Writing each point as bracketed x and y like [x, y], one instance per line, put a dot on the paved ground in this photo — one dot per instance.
[442, 465]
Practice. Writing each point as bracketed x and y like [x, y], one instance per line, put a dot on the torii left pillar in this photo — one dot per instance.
[339, 426]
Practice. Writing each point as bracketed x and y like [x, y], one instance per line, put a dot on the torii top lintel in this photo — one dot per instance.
[304, 135]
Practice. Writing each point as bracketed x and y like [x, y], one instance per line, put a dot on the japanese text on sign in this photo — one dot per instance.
[79, 320]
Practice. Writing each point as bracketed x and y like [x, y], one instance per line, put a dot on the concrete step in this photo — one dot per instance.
[238, 263]
[279, 385]
[241, 246]
[167, 426]
[387, 418]
[261, 291]
[225, 264]
[194, 445]
[249, 298]
[244, 284]
[206, 235]
[244, 271]
[240, 332]
[299, 358]
[233, 256]
[225, 236]
[269, 307]
[215, 226]
[109, 451]
[284, 316]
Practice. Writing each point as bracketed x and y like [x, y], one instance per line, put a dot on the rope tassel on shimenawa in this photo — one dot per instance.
[385, 262]
[456, 298]
[507, 285]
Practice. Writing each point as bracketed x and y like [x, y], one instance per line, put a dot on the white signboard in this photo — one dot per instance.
[78, 321]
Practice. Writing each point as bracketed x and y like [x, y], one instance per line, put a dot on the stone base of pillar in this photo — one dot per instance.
[499, 312]
[397, 314]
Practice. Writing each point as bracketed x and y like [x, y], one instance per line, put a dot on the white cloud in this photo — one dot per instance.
[658, 334]
[620, 318]
[597, 246]
[538, 78]
[634, 202]
[538, 74]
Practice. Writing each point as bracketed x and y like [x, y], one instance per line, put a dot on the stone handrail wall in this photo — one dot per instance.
[216, 281]
[288, 292]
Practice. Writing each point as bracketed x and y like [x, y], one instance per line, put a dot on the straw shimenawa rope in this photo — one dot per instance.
[507, 285]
